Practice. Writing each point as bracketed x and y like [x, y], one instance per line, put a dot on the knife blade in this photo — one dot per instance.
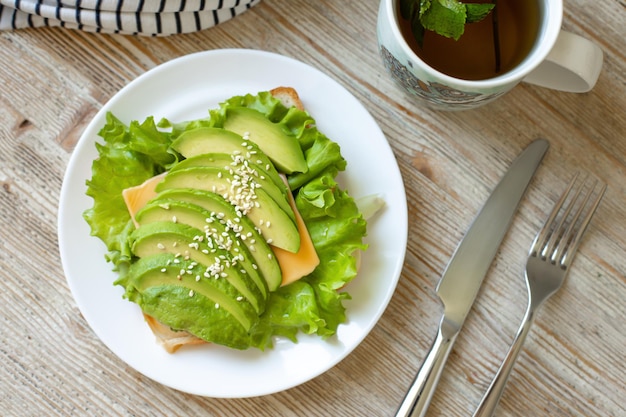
[465, 271]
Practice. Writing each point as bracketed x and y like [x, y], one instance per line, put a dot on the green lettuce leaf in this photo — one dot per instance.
[129, 156]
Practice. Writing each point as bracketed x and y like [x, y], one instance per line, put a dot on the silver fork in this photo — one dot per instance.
[549, 259]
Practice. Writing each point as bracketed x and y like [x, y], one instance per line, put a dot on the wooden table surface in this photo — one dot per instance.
[53, 81]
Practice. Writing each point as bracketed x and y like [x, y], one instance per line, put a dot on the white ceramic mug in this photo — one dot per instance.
[559, 60]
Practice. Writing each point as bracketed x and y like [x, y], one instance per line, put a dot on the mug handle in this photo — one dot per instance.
[573, 65]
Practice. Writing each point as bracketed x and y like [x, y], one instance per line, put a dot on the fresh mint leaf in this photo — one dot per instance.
[446, 17]
[478, 11]
[424, 6]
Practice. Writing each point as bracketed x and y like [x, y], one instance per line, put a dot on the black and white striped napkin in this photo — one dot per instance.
[136, 17]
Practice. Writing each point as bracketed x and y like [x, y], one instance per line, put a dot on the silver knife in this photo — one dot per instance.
[468, 266]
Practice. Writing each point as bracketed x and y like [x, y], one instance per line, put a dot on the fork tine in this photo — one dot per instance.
[540, 244]
[559, 243]
[559, 236]
[574, 242]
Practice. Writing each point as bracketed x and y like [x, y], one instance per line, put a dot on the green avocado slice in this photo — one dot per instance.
[226, 235]
[206, 140]
[236, 181]
[275, 224]
[233, 161]
[155, 280]
[258, 248]
[185, 242]
[283, 149]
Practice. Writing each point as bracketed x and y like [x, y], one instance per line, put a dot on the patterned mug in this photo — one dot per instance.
[559, 60]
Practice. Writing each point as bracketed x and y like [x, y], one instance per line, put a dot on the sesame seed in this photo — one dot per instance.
[163, 269]
[191, 293]
[239, 298]
[217, 305]
[160, 246]
[174, 219]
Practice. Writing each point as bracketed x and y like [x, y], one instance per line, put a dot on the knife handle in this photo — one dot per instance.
[421, 391]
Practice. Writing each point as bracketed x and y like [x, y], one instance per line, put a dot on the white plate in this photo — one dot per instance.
[184, 89]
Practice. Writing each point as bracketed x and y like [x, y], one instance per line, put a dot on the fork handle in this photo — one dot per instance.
[491, 398]
[423, 387]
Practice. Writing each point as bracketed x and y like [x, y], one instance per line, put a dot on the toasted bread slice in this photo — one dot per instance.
[170, 340]
[288, 96]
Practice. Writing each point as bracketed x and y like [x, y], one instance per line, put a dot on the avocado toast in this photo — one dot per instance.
[229, 203]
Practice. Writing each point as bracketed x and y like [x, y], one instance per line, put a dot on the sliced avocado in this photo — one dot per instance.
[259, 249]
[206, 140]
[156, 281]
[275, 224]
[234, 162]
[238, 182]
[283, 149]
[184, 241]
[221, 234]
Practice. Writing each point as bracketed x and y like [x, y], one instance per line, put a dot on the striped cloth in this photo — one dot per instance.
[133, 17]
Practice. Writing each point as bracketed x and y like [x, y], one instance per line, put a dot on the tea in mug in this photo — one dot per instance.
[479, 53]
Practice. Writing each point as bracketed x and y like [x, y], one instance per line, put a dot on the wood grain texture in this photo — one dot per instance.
[573, 363]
